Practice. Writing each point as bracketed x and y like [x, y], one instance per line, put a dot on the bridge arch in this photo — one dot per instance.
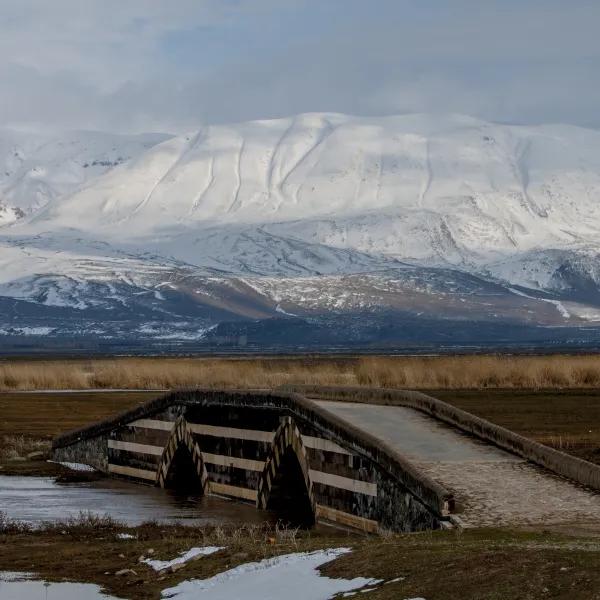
[182, 459]
[285, 485]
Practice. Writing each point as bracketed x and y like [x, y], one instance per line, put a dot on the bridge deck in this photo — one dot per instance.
[492, 487]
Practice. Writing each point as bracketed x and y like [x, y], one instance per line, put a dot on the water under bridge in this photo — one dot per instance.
[369, 459]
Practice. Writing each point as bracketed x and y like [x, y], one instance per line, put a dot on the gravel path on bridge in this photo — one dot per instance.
[491, 487]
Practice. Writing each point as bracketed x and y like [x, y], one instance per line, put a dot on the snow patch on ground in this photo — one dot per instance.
[14, 576]
[589, 313]
[560, 307]
[161, 565]
[75, 466]
[291, 576]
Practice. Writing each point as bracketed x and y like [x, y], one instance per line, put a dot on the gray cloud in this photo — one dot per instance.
[153, 64]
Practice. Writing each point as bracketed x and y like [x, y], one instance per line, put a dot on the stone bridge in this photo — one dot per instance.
[364, 459]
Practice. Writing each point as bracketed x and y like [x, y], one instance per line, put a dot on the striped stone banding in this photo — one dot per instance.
[234, 491]
[322, 477]
[232, 432]
[233, 461]
[343, 518]
[209, 459]
[181, 434]
[134, 447]
[241, 434]
[324, 445]
[287, 436]
[153, 424]
[270, 468]
[344, 483]
[132, 472]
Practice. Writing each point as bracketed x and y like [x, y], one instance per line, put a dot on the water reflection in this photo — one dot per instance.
[37, 499]
[20, 586]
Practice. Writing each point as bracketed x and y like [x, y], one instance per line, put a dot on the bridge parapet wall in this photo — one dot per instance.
[578, 470]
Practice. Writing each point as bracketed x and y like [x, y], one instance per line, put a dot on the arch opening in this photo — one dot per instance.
[289, 498]
[182, 475]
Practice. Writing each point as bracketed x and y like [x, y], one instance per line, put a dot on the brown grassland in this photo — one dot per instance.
[457, 372]
[30, 420]
[565, 419]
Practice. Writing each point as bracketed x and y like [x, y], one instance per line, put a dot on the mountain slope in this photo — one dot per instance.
[314, 216]
[469, 183]
[35, 169]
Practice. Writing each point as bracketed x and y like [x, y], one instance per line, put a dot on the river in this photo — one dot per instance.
[36, 500]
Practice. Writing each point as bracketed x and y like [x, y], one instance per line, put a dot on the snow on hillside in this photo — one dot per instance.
[35, 168]
[436, 189]
[62, 277]
[311, 196]
[491, 183]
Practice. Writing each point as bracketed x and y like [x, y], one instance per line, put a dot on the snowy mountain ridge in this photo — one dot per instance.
[35, 169]
[301, 200]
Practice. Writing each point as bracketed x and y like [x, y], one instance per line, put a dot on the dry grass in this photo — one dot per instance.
[461, 372]
[479, 372]
[42, 415]
[19, 446]
[158, 373]
[568, 420]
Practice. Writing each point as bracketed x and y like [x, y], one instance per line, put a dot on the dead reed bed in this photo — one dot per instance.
[158, 373]
[460, 372]
[480, 372]
[19, 446]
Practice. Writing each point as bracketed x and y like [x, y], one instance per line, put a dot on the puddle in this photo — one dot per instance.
[37, 499]
[21, 586]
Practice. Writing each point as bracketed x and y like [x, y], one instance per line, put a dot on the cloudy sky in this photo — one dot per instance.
[172, 65]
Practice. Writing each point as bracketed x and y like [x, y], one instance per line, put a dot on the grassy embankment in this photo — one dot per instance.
[455, 565]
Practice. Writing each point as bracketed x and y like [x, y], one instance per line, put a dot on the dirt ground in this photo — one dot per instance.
[452, 565]
[30, 421]
[43, 415]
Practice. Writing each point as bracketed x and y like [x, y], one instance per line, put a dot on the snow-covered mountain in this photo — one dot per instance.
[425, 217]
[35, 169]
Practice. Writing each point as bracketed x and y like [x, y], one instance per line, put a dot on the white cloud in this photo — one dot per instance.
[171, 65]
